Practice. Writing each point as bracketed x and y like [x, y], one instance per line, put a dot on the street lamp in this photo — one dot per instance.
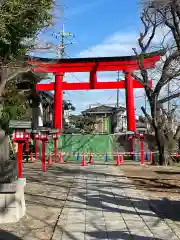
[20, 135]
[20, 138]
[37, 135]
[44, 138]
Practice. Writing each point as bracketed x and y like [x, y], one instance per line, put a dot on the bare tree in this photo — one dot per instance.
[156, 15]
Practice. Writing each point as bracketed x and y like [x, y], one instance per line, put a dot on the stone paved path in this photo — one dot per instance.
[103, 204]
[94, 202]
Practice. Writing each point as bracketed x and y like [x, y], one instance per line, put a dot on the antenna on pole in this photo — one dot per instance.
[65, 40]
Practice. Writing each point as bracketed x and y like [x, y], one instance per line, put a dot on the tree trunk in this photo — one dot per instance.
[162, 158]
[160, 139]
[3, 79]
[166, 146]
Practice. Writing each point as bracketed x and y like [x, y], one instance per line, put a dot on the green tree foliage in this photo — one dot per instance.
[86, 124]
[17, 97]
[21, 21]
[14, 107]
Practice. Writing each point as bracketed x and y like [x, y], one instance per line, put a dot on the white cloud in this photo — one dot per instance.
[119, 44]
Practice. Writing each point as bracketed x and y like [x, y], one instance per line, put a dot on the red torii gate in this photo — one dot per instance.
[59, 67]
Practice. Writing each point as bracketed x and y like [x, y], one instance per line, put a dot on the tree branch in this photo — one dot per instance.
[145, 18]
[178, 11]
[146, 115]
[5, 77]
[167, 99]
[177, 134]
[20, 70]
[165, 75]
[141, 67]
[168, 23]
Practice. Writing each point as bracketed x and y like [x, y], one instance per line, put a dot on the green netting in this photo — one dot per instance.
[98, 144]
[84, 144]
[71, 145]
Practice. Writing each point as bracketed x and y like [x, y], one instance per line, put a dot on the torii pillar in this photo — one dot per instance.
[58, 101]
[130, 109]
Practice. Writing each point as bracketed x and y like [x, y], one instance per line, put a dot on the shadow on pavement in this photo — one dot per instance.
[44, 196]
[170, 209]
[8, 236]
[117, 235]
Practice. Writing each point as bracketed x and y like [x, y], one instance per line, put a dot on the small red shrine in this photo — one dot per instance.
[126, 64]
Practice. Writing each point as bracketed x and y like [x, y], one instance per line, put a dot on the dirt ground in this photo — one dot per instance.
[161, 184]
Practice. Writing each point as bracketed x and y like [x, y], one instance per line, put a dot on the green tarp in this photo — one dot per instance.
[71, 145]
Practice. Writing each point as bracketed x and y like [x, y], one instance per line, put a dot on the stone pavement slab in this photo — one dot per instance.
[110, 207]
[73, 202]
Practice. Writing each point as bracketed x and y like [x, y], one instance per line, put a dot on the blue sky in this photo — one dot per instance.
[101, 28]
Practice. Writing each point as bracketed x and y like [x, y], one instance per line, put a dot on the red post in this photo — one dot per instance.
[37, 148]
[55, 150]
[19, 159]
[84, 163]
[132, 147]
[58, 101]
[91, 161]
[27, 145]
[43, 156]
[61, 157]
[118, 160]
[50, 160]
[142, 150]
[130, 102]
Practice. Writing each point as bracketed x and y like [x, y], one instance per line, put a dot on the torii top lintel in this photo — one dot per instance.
[93, 64]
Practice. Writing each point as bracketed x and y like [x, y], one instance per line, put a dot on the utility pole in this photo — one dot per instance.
[64, 41]
[145, 101]
[168, 89]
[117, 103]
[118, 79]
